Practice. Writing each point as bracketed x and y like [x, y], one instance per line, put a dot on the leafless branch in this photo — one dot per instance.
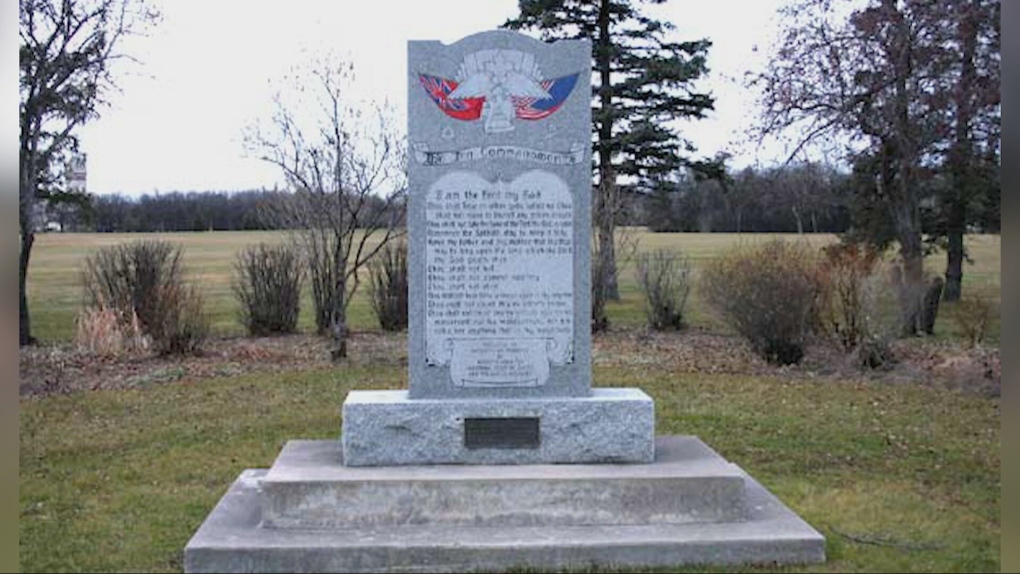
[345, 169]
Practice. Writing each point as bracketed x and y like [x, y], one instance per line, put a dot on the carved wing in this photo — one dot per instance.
[474, 86]
[517, 84]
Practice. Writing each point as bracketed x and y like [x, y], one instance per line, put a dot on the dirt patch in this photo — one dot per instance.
[921, 361]
[62, 368]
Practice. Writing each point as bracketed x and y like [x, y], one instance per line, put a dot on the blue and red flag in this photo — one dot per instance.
[526, 108]
[529, 108]
[467, 109]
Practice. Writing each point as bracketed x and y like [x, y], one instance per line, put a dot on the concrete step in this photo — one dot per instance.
[234, 539]
[309, 487]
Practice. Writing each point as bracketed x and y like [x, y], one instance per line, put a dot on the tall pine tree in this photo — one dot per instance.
[645, 80]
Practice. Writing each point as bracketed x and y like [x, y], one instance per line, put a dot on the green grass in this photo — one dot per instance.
[55, 294]
[120, 480]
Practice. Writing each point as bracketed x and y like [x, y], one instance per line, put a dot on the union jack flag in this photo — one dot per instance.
[466, 109]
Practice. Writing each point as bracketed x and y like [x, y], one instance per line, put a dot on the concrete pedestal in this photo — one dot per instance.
[387, 428]
[310, 513]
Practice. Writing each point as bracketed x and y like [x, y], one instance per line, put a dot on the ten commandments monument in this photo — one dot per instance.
[499, 343]
[500, 453]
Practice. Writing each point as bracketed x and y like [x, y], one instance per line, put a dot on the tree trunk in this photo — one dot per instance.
[24, 325]
[607, 203]
[954, 263]
[338, 323]
[606, 241]
[26, 204]
[912, 290]
[902, 170]
[960, 156]
[930, 305]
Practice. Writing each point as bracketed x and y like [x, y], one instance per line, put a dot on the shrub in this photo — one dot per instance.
[874, 353]
[267, 284]
[388, 289]
[849, 282]
[183, 326]
[664, 278]
[973, 314]
[144, 279]
[768, 294]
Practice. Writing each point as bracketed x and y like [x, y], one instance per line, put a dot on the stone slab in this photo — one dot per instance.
[387, 428]
[499, 218]
[309, 487]
[231, 540]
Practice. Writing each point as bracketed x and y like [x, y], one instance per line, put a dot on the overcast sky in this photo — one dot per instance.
[209, 69]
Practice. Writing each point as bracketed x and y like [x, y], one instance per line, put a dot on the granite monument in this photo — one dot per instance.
[500, 453]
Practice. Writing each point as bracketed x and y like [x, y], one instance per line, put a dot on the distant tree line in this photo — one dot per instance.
[177, 211]
[796, 198]
[802, 198]
[181, 211]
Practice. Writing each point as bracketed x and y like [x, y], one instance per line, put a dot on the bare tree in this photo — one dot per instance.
[339, 161]
[66, 53]
[870, 72]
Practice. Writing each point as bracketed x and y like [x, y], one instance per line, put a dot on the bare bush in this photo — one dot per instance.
[388, 287]
[768, 294]
[665, 279]
[183, 326]
[973, 314]
[267, 284]
[129, 276]
[875, 353]
[346, 169]
[144, 279]
[849, 282]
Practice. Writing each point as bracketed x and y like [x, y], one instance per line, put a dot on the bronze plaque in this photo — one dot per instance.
[516, 432]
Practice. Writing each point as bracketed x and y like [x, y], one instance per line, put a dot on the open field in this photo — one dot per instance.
[55, 295]
[898, 472]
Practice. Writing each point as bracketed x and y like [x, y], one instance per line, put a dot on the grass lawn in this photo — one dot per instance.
[897, 476]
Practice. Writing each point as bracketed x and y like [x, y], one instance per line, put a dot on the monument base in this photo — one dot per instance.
[310, 513]
[386, 428]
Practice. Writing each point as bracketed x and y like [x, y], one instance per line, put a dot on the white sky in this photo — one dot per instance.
[208, 71]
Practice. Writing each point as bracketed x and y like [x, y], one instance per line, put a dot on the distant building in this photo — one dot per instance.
[48, 216]
[74, 173]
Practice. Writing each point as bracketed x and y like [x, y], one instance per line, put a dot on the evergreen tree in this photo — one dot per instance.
[972, 55]
[645, 80]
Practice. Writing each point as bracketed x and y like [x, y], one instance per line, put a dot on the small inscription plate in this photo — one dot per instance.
[506, 433]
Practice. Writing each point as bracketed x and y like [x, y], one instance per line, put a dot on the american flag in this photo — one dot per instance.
[529, 108]
[439, 88]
